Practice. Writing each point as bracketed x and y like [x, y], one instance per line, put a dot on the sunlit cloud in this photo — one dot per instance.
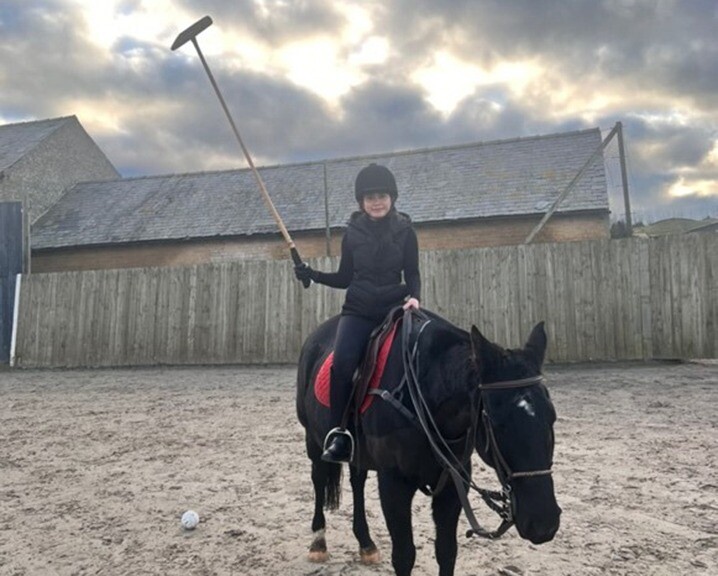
[375, 50]
[448, 79]
[327, 65]
[331, 65]
[97, 119]
[700, 180]
[107, 21]
[685, 187]
[109, 115]
[359, 23]
[318, 66]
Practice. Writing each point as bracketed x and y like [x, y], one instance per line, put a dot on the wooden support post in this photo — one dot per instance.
[571, 185]
[624, 179]
[326, 212]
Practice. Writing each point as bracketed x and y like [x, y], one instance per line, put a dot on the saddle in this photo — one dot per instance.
[370, 370]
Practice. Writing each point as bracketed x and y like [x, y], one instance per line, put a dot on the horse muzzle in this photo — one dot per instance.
[541, 530]
[537, 515]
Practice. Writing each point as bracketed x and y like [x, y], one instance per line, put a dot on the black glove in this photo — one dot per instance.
[304, 273]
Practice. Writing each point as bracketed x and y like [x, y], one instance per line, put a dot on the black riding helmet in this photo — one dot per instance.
[375, 178]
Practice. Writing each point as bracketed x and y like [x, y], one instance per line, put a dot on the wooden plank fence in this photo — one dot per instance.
[601, 300]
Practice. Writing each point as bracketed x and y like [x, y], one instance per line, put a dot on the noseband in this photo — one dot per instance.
[522, 383]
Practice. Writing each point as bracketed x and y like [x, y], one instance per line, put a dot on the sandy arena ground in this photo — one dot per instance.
[96, 467]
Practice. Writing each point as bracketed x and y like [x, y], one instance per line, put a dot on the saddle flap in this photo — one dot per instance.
[371, 369]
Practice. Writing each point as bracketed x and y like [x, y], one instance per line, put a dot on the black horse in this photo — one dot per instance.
[467, 394]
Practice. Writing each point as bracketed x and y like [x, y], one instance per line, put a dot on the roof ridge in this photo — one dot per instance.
[480, 143]
[44, 120]
[59, 122]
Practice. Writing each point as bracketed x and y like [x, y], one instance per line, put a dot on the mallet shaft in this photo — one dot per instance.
[257, 177]
[190, 34]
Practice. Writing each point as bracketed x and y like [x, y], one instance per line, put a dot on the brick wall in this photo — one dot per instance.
[311, 245]
[512, 231]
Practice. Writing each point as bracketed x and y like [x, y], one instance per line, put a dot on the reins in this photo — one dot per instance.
[499, 502]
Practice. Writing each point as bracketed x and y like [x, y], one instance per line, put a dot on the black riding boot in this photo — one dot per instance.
[339, 444]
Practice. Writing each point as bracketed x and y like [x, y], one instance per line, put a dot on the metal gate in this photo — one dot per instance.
[11, 260]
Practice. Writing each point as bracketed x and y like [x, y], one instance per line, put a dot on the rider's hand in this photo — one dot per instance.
[304, 272]
[411, 303]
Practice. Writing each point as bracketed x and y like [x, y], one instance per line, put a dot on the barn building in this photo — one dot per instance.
[473, 195]
[40, 160]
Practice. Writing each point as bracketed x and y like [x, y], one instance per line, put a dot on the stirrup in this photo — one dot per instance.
[338, 431]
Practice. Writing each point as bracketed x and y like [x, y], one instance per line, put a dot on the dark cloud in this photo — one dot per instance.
[668, 46]
[484, 116]
[44, 56]
[181, 125]
[383, 116]
[658, 155]
[655, 62]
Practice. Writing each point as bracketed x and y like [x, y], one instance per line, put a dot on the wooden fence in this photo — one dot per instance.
[601, 300]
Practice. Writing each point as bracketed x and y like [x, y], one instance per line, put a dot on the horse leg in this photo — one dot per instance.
[446, 509]
[318, 548]
[396, 495]
[368, 552]
[326, 479]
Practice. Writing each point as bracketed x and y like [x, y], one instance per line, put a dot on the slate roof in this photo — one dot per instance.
[490, 179]
[17, 140]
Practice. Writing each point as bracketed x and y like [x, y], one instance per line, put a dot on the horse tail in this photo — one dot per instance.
[332, 485]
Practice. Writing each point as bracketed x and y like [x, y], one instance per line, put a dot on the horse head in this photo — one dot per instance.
[515, 432]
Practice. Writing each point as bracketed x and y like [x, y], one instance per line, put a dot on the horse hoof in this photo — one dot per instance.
[370, 556]
[318, 556]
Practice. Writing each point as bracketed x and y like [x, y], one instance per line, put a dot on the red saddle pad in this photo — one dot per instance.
[321, 382]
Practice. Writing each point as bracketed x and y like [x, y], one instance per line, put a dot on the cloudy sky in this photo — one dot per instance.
[316, 79]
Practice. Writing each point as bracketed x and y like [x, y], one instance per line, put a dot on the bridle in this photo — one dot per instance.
[502, 467]
[499, 502]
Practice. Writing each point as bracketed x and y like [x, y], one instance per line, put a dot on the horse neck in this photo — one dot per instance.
[453, 391]
[456, 373]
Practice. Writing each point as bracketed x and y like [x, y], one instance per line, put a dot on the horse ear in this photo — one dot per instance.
[536, 343]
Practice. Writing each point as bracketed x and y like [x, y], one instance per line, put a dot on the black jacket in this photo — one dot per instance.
[374, 256]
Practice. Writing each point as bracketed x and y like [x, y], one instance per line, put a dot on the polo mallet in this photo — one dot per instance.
[190, 34]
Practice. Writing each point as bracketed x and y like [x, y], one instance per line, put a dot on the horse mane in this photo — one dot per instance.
[444, 340]
[451, 333]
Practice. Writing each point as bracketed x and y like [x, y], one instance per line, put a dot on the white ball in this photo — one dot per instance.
[190, 519]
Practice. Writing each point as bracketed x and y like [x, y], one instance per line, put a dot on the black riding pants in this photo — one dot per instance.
[349, 346]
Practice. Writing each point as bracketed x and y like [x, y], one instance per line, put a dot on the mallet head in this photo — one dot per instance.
[191, 32]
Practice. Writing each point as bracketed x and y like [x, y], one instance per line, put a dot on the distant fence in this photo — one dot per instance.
[601, 300]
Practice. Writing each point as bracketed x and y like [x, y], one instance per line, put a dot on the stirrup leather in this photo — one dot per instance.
[339, 431]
